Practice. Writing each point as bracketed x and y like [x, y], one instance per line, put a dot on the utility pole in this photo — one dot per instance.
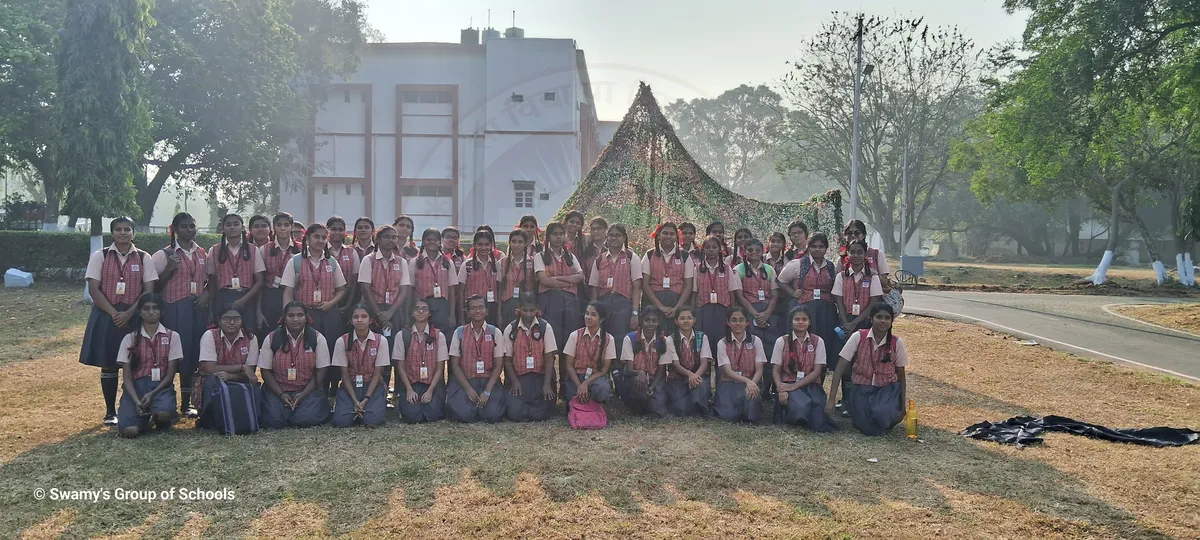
[904, 201]
[856, 144]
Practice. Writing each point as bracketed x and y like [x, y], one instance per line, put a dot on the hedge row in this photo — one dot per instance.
[64, 255]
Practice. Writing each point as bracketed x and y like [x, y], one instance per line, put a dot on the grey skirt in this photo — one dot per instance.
[875, 409]
[313, 411]
[806, 407]
[127, 415]
[373, 414]
[420, 413]
[464, 410]
[683, 401]
[531, 405]
[731, 403]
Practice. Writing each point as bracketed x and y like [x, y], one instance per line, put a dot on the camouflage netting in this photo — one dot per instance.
[645, 176]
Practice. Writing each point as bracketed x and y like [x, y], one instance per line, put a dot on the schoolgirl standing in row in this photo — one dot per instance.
[616, 280]
[228, 355]
[529, 345]
[347, 258]
[809, 281]
[596, 244]
[798, 367]
[117, 276]
[294, 359]
[687, 388]
[361, 355]
[479, 276]
[149, 357]
[687, 240]
[435, 281]
[857, 288]
[587, 358]
[476, 360]
[405, 229]
[877, 361]
[875, 260]
[775, 255]
[517, 276]
[260, 231]
[559, 275]
[364, 237]
[452, 247]
[715, 287]
[740, 357]
[575, 243]
[667, 274]
[182, 280]
[759, 296]
[716, 229]
[419, 357]
[640, 381]
[235, 269]
[385, 284]
[740, 238]
[276, 257]
[529, 224]
[314, 279]
[798, 233]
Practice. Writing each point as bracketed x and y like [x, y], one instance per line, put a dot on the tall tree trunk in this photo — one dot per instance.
[1114, 219]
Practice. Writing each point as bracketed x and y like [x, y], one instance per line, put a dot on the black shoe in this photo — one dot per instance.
[110, 420]
[839, 405]
[192, 413]
[845, 414]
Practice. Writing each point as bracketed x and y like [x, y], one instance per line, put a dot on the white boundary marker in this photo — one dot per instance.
[1109, 311]
[1042, 339]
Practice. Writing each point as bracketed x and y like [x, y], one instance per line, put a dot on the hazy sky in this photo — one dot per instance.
[700, 51]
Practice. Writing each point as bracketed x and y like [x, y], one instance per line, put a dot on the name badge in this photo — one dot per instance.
[677, 261]
[762, 295]
[316, 296]
[529, 362]
[587, 373]
[799, 375]
[866, 284]
[437, 291]
[192, 287]
[487, 338]
[387, 297]
[291, 374]
[491, 296]
[135, 268]
[155, 374]
[358, 381]
[424, 372]
[516, 292]
[200, 261]
[235, 283]
[856, 310]
[345, 257]
[816, 294]
[667, 280]
[387, 332]
[120, 288]
[712, 297]
[609, 283]
[274, 282]
[479, 366]
[245, 350]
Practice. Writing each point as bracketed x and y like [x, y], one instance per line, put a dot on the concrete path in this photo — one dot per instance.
[1079, 324]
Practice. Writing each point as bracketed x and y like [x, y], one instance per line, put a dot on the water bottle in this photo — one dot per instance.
[910, 420]
[840, 333]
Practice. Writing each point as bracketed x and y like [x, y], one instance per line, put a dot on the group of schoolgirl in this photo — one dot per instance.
[273, 298]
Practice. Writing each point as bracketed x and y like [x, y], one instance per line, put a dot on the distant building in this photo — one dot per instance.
[607, 128]
[452, 134]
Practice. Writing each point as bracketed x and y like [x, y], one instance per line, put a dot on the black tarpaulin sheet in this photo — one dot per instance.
[1024, 430]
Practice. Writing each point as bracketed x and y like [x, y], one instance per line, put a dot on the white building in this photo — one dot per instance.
[452, 134]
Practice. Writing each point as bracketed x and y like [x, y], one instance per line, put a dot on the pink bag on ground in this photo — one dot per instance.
[588, 415]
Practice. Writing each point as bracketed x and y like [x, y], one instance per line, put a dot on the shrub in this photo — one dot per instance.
[64, 255]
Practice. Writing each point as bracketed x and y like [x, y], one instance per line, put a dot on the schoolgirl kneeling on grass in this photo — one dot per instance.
[294, 359]
[149, 358]
[530, 346]
[419, 357]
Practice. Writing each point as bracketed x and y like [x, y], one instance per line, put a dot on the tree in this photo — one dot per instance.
[923, 89]
[732, 136]
[103, 120]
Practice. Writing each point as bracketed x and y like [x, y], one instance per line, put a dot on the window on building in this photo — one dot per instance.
[518, 98]
[411, 96]
[523, 194]
[544, 196]
[548, 96]
[426, 191]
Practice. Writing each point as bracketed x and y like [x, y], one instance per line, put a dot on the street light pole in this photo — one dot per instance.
[856, 144]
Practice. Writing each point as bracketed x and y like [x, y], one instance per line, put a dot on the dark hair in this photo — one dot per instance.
[304, 241]
[438, 242]
[224, 249]
[179, 218]
[590, 251]
[787, 342]
[846, 262]
[474, 298]
[782, 238]
[762, 269]
[369, 221]
[720, 256]
[818, 237]
[527, 218]
[117, 221]
[601, 310]
[279, 336]
[660, 344]
[508, 261]
[134, 349]
[713, 225]
[737, 250]
[546, 254]
[335, 219]
[887, 343]
[799, 224]
[489, 230]
[657, 249]
[729, 328]
[474, 264]
[256, 218]
[409, 248]
[624, 234]
[675, 336]
[379, 232]
[855, 224]
[577, 242]
[298, 223]
[226, 308]
[527, 299]
[458, 252]
[794, 252]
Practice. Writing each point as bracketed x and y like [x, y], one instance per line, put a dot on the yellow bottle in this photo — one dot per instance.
[910, 420]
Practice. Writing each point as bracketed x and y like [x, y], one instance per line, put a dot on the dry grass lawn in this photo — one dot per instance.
[1123, 280]
[1184, 317]
[640, 478]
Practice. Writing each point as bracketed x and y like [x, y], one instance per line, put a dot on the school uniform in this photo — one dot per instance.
[347, 258]
[153, 352]
[293, 369]
[276, 256]
[122, 279]
[667, 272]
[875, 402]
[560, 307]
[714, 289]
[478, 352]
[800, 355]
[758, 284]
[653, 401]
[516, 276]
[386, 277]
[361, 356]
[216, 349]
[418, 353]
[816, 288]
[314, 280]
[692, 352]
[433, 279]
[233, 271]
[481, 278]
[180, 313]
[856, 293]
[588, 265]
[528, 350]
[783, 305]
[730, 402]
[584, 345]
[615, 277]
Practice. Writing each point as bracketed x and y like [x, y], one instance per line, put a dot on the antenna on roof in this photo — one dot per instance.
[514, 18]
[489, 18]
[471, 22]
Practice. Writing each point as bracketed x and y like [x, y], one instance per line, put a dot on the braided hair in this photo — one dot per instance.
[846, 259]
[257, 218]
[308, 232]
[680, 254]
[577, 242]
[694, 246]
[660, 343]
[437, 241]
[179, 218]
[729, 327]
[508, 261]
[762, 268]
[739, 251]
[720, 259]
[787, 343]
[534, 243]
[135, 356]
[457, 251]
[676, 337]
[547, 257]
[601, 310]
[878, 308]
[474, 264]
[796, 251]
[279, 336]
[224, 250]
[407, 246]
[590, 251]
[280, 219]
[528, 299]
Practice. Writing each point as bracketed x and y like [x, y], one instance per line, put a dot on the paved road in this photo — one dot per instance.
[1075, 324]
